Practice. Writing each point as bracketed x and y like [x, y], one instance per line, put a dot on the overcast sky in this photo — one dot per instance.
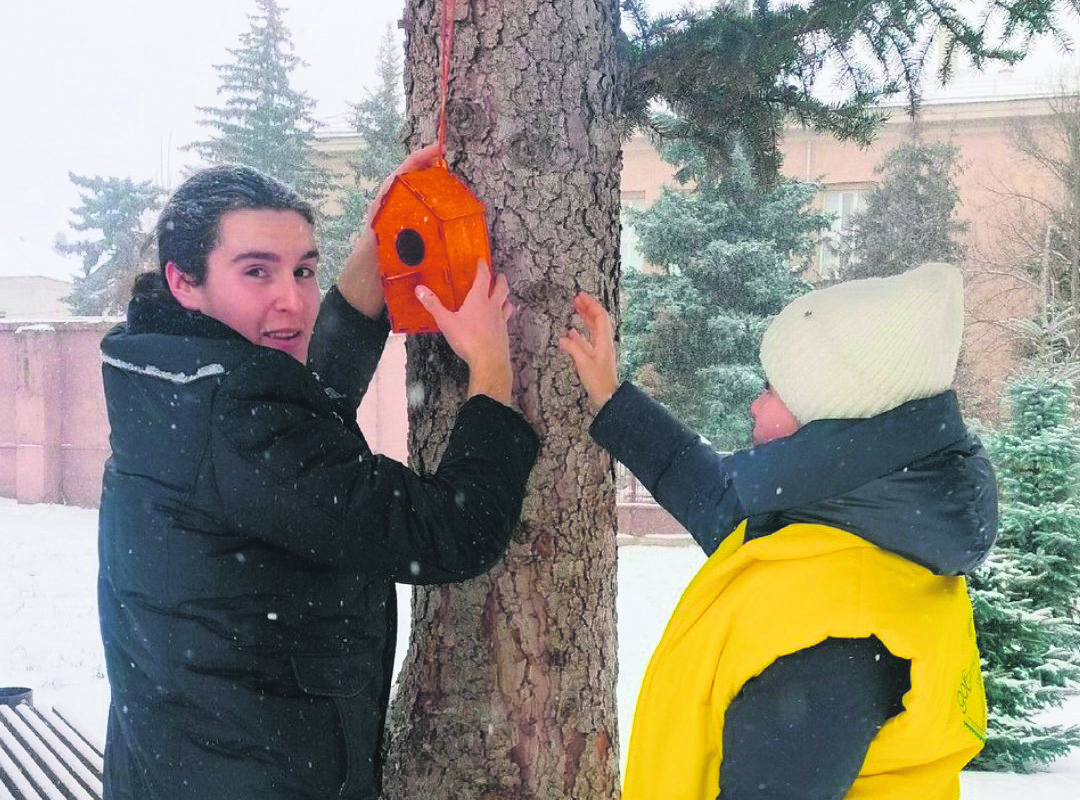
[109, 87]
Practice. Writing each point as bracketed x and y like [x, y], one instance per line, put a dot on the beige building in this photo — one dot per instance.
[976, 115]
[30, 298]
[992, 176]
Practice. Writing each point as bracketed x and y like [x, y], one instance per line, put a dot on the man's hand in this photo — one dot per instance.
[359, 283]
[477, 332]
[594, 358]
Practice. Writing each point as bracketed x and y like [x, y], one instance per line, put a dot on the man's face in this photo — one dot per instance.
[772, 419]
[260, 279]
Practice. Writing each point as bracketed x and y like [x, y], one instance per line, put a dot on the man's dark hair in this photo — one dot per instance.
[188, 227]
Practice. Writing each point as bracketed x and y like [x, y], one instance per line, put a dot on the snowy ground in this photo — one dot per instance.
[49, 635]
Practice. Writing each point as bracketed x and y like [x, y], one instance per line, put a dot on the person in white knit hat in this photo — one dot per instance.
[860, 348]
[826, 649]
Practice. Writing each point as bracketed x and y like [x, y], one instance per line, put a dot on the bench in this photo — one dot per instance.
[44, 757]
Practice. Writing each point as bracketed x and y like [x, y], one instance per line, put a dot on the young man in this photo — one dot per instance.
[826, 649]
[249, 538]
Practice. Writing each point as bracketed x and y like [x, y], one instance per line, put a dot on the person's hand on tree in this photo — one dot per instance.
[594, 358]
[477, 332]
[359, 283]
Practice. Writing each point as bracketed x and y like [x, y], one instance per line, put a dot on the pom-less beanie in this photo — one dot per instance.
[859, 348]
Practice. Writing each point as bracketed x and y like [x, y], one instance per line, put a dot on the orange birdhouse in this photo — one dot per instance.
[430, 230]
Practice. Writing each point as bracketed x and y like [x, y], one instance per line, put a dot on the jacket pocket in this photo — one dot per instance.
[352, 683]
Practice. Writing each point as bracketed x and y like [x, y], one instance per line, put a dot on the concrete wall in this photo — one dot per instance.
[54, 433]
[8, 376]
[53, 436]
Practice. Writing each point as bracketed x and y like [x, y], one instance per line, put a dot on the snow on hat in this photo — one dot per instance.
[859, 348]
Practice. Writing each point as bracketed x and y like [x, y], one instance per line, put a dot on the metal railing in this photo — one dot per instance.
[628, 489]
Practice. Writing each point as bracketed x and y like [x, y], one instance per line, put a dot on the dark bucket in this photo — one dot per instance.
[13, 695]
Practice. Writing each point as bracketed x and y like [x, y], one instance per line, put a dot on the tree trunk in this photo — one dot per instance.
[508, 688]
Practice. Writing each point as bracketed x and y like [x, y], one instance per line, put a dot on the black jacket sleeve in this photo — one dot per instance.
[304, 480]
[345, 349]
[680, 469]
[801, 729]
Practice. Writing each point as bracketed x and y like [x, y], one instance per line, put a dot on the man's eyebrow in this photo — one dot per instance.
[256, 255]
[260, 255]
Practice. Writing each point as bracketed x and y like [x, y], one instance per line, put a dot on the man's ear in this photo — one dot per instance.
[183, 288]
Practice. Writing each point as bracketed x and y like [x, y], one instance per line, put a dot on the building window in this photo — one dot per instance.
[843, 204]
[628, 238]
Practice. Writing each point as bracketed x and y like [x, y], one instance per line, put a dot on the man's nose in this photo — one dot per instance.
[287, 296]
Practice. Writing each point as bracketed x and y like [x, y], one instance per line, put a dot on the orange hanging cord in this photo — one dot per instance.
[446, 40]
[429, 228]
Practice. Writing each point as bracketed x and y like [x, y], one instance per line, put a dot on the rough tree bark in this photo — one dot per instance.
[508, 688]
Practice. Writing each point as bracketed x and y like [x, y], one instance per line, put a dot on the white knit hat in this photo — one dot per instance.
[859, 348]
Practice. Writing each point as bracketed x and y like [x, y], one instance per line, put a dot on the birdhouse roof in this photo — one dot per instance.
[442, 192]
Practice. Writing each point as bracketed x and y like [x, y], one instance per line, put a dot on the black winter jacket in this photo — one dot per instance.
[249, 542]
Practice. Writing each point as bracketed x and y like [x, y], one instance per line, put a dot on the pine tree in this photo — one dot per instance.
[380, 117]
[508, 688]
[729, 256]
[504, 692]
[379, 120]
[909, 217]
[116, 208]
[1025, 595]
[264, 122]
[735, 77]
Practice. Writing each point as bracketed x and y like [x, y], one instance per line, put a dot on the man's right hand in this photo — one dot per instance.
[477, 332]
[359, 283]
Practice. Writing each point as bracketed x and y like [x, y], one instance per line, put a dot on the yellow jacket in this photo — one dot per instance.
[756, 601]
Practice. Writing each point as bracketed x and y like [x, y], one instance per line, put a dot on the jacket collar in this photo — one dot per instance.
[154, 313]
[910, 480]
[161, 338]
[848, 453]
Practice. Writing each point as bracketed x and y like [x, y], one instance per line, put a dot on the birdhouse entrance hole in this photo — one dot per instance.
[410, 247]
